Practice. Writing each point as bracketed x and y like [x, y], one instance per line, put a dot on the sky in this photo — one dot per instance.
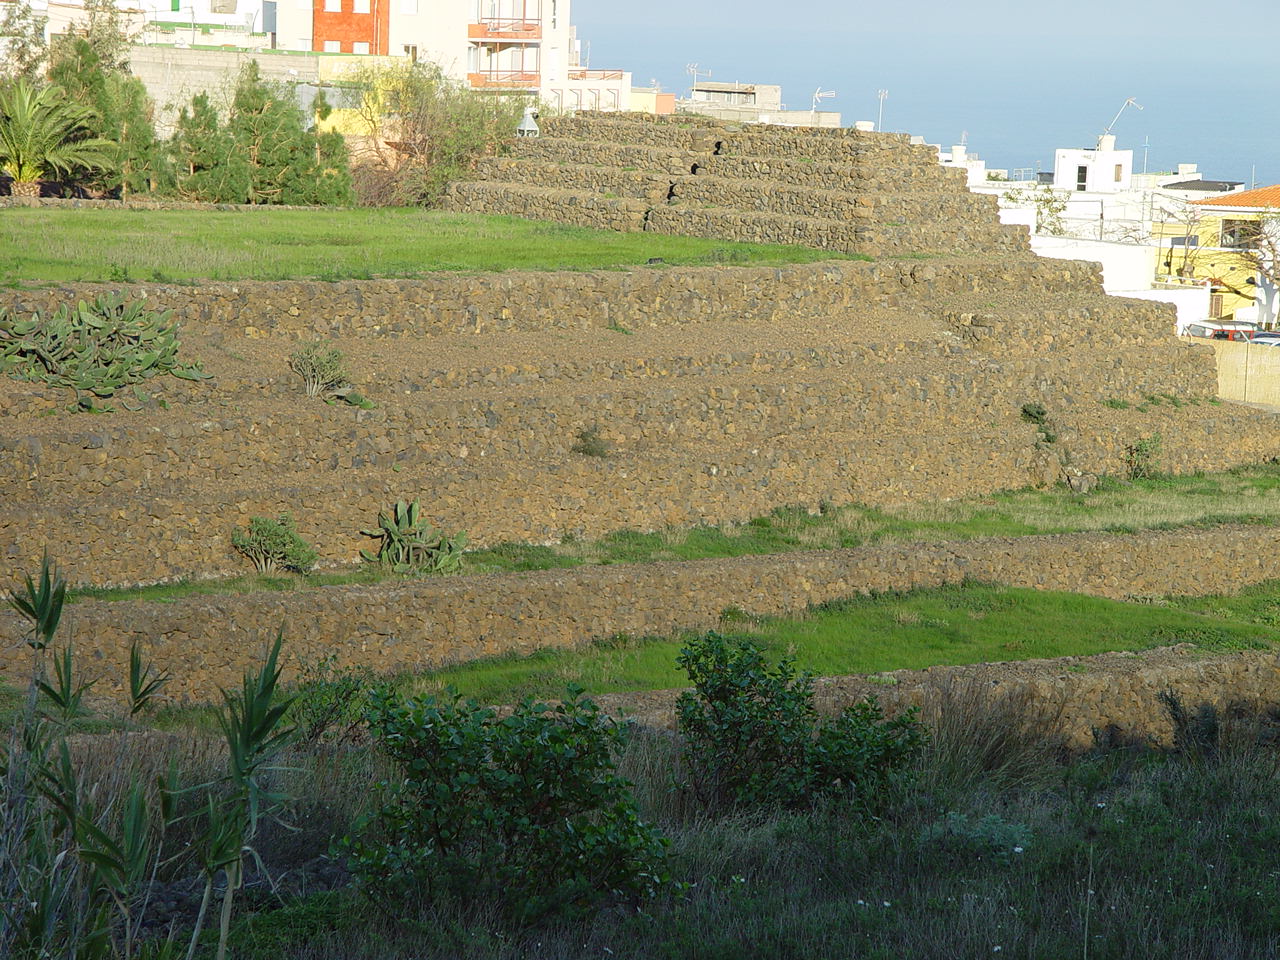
[1021, 79]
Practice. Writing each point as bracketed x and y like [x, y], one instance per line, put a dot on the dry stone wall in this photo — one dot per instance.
[207, 641]
[460, 304]
[609, 172]
[1077, 701]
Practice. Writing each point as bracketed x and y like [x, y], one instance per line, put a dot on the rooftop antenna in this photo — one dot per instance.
[1146, 146]
[883, 95]
[692, 70]
[1128, 103]
[818, 96]
[964, 138]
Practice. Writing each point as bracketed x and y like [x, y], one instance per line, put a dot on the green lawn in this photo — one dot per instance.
[42, 246]
[893, 631]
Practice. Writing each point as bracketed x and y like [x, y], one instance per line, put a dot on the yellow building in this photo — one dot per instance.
[1229, 243]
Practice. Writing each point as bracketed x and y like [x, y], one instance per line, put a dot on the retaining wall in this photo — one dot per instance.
[537, 301]
[208, 641]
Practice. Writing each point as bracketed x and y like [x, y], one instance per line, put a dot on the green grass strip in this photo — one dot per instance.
[970, 623]
[52, 245]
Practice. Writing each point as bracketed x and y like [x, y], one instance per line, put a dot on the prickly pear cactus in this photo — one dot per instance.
[93, 349]
[409, 543]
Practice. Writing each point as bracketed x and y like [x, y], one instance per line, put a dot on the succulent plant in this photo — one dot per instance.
[411, 544]
[94, 349]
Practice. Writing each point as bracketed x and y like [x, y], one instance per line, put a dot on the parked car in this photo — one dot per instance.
[1220, 330]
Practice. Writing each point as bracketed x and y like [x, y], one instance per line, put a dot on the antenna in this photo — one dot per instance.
[692, 70]
[964, 138]
[1131, 102]
[819, 95]
[883, 95]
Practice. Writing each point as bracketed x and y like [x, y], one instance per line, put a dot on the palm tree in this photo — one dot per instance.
[42, 132]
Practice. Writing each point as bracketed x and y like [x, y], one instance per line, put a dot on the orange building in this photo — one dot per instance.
[350, 26]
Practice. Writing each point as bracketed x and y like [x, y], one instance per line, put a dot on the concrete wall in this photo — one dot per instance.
[1248, 372]
[1125, 266]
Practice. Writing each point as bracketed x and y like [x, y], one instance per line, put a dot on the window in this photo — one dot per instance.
[1082, 178]
[409, 7]
[360, 47]
[411, 51]
[1191, 240]
[362, 6]
[1119, 168]
[332, 46]
[1240, 233]
[333, 6]
[553, 14]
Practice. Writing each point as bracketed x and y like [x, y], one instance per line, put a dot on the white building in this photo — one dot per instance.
[752, 103]
[502, 45]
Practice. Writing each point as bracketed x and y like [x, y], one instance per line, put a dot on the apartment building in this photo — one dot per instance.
[524, 45]
[513, 45]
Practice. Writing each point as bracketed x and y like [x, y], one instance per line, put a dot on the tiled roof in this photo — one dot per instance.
[1264, 198]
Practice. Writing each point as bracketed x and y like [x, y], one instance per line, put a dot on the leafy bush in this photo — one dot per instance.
[411, 544]
[320, 367]
[525, 811]
[1142, 458]
[93, 349]
[754, 736]
[589, 443]
[423, 129]
[274, 545]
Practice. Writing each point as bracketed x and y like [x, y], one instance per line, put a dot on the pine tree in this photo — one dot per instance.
[207, 165]
[122, 115]
[288, 162]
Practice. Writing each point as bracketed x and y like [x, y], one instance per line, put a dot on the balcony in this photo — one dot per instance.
[595, 74]
[504, 80]
[493, 28]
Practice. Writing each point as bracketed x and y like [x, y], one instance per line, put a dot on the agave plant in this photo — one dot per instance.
[411, 543]
[43, 133]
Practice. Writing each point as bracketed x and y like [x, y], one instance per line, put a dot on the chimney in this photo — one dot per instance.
[1107, 142]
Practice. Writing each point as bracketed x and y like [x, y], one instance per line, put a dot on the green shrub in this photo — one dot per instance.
[411, 544]
[1034, 413]
[524, 812]
[754, 736]
[320, 367]
[991, 837]
[274, 545]
[1116, 403]
[589, 443]
[93, 349]
[1142, 458]
[331, 700]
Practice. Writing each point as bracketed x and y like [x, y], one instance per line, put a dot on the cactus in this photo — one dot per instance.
[412, 544]
[93, 349]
